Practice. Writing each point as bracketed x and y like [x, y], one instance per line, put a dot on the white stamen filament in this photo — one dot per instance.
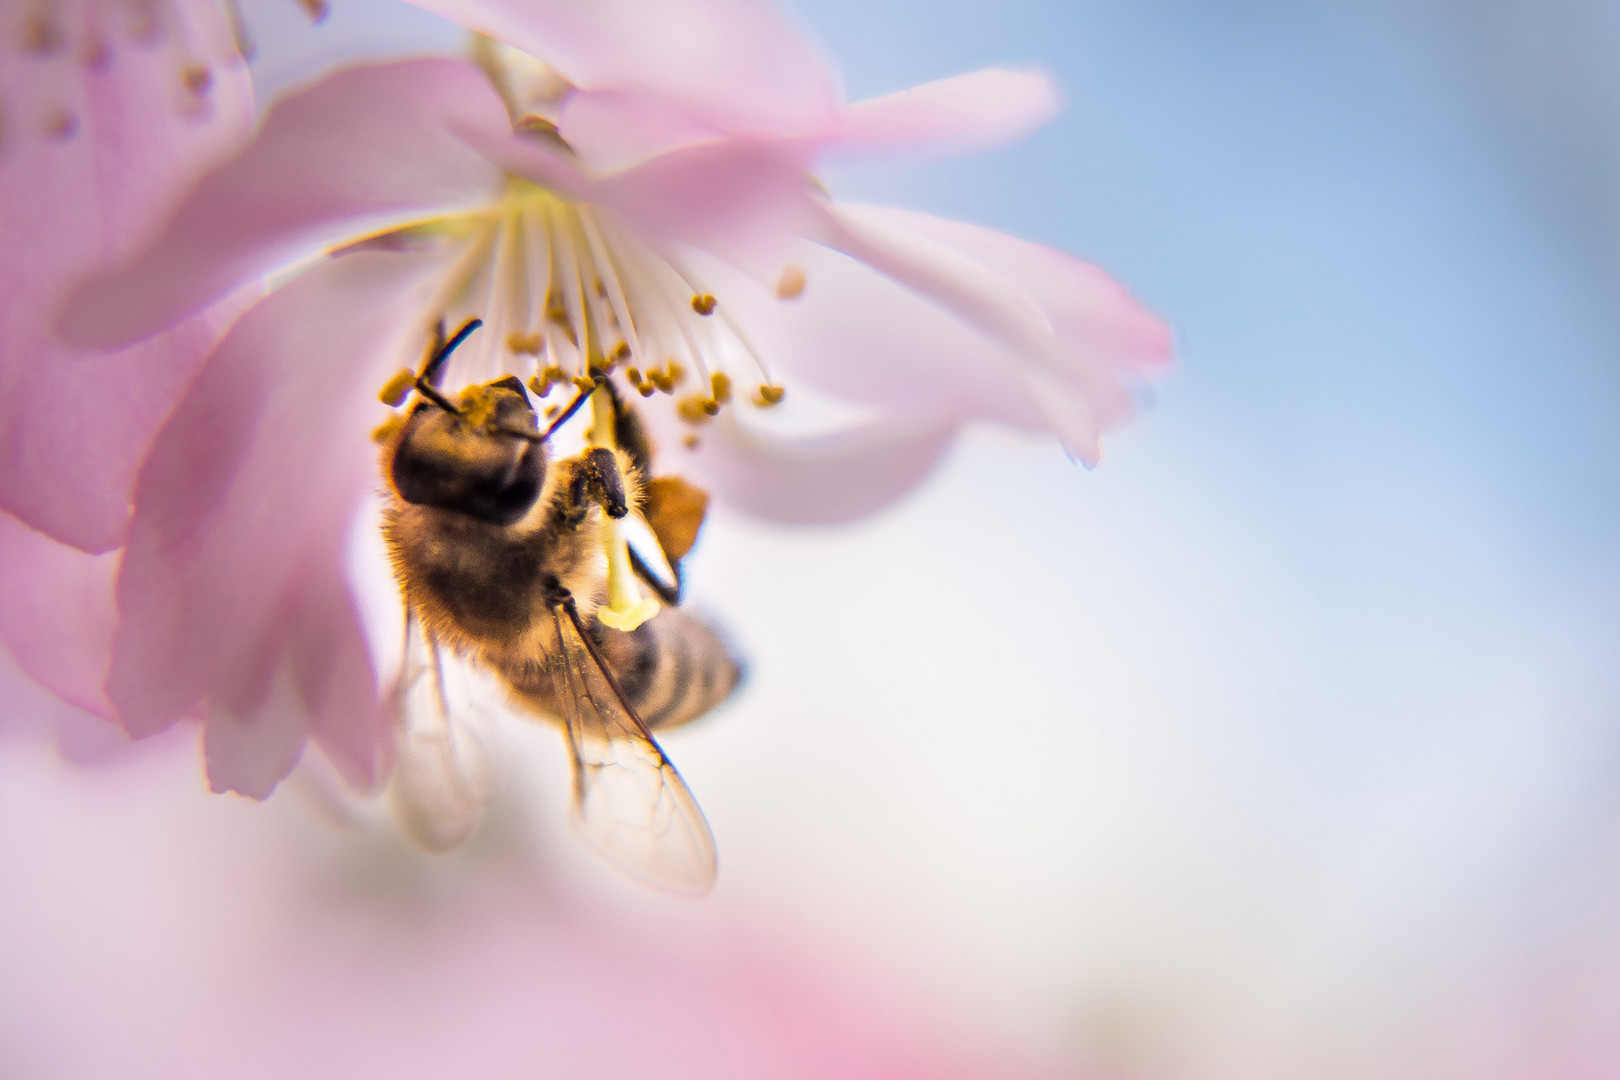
[564, 293]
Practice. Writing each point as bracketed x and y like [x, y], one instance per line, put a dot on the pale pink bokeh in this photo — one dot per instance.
[154, 932]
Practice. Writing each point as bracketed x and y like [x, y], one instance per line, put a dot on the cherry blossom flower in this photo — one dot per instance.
[419, 193]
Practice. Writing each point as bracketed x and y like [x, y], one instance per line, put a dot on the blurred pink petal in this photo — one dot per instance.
[57, 614]
[368, 148]
[727, 67]
[245, 505]
[963, 113]
[822, 479]
[154, 932]
[103, 130]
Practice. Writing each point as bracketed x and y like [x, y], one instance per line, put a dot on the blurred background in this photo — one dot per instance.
[1281, 745]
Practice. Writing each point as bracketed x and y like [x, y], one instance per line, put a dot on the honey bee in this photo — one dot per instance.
[498, 550]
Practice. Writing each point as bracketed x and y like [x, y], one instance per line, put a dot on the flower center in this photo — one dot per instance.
[566, 295]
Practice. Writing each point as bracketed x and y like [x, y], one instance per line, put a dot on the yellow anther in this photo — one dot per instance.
[524, 344]
[720, 387]
[790, 283]
[541, 387]
[386, 430]
[646, 389]
[769, 395]
[661, 380]
[622, 351]
[695, 408]
[690, 441]
[634, 375]
[399, 385]
[553, 373]
[703, 304]
[676, 372]
[583, 382]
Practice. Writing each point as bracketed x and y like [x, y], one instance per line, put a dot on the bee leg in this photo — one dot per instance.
[669, 594]
[597, 479]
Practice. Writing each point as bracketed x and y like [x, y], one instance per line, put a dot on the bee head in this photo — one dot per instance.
[485, 458]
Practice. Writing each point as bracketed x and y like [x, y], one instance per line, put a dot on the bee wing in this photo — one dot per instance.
[444, 776]
[629, 802]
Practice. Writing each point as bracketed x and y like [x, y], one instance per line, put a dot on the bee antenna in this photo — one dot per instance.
[573, 406]
[427, 382]
[435, 365]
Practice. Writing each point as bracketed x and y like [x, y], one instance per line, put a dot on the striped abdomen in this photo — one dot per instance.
[673, 667]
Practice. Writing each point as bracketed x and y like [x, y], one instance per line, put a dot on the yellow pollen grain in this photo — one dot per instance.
[398, 385]
[720, 387]
[703, 304]
[790, 283]
[695, 408]
[769, 395]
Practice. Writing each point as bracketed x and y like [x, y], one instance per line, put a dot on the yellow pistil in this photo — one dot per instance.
[627, 608]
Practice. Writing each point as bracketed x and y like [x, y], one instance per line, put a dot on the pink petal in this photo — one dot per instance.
[743, 200]
[1070, 333]
[75, 424]
[70, 203]
[817, 480]
[740, 200]
[231, 585]
[57, 614]
[735, 67]
[338, 681]
[968, 112]
[1098, 324]
[869, 340]
[367, 148]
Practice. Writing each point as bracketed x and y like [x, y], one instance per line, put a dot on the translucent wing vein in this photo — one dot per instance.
[629, 801]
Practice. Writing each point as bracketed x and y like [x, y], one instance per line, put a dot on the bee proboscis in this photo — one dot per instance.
[498, 549]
